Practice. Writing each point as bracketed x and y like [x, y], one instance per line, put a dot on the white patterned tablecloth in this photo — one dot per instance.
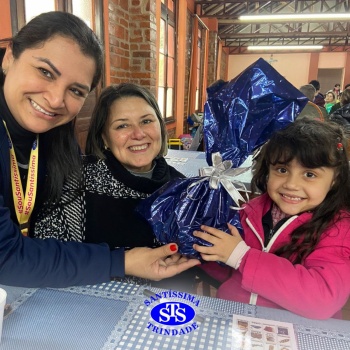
[114, 316]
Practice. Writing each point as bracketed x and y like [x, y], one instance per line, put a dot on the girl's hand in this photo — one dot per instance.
[223, 243]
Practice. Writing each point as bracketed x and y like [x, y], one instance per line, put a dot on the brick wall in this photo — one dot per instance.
[132, 32]
[223, 65]
[132, 36]
[212, 57]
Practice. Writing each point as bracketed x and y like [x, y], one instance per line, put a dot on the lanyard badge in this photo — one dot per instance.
[24, 202]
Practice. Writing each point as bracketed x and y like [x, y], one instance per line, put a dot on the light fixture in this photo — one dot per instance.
[285, 47]
[295, 17]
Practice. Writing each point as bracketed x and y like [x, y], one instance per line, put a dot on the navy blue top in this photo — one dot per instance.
[33, 262]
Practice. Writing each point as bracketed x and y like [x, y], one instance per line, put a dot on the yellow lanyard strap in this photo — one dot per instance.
[24, 203]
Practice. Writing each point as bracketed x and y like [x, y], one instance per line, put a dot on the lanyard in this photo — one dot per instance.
[24, 202]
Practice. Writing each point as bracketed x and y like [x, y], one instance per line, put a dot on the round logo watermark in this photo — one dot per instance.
[172, 312]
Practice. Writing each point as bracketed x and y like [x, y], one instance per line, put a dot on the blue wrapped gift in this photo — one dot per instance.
[183, 205]
[239, 116]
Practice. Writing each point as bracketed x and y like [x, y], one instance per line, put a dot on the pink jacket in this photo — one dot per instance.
[317, 289]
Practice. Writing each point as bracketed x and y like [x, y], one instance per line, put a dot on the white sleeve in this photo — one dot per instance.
[237, 255]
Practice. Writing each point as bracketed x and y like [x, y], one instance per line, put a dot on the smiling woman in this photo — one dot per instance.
[125, 164]
[133, 133]
[45, 87]
[126, 143]
[39, 88]
[42, 90]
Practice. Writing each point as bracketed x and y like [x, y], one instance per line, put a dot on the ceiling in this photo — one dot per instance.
[236, 36]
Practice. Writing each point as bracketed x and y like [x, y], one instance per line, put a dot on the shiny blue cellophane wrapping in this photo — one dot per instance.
[178, 209]
[242, 114]
[239, 116]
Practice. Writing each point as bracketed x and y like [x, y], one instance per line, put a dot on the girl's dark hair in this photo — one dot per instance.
[61, 148]
[313, 144]
[94, 142]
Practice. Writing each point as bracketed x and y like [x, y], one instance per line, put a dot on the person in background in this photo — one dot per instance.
[330, 100]
[342, 115]
[192, 121]
[42, 90]
[311, 110]
[126, 144]
[309, 91]
[319, 98]
[336, 91]
[296, 249]
[338, 104]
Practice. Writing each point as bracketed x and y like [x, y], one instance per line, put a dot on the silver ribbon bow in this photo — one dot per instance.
[222, 173]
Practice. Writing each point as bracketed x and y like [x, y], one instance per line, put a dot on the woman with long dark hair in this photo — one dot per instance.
[48, 70]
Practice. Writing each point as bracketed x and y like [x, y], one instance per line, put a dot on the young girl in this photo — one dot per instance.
[296, 249]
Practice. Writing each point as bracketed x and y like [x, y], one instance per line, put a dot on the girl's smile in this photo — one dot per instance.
[296, 189]
[291, 199]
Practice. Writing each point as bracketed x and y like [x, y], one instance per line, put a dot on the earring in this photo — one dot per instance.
[106, 147]
[3, 71]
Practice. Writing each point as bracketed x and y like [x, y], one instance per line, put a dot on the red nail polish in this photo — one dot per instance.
[173, 248]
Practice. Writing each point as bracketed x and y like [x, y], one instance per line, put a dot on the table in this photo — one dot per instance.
[189, 163]
[114, 316]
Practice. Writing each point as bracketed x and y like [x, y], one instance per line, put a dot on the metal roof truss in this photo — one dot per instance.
[332, 34]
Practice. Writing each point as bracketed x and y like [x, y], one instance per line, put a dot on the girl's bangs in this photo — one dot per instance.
[308, 154]
[279, 155]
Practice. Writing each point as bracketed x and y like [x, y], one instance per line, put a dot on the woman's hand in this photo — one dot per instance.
[158, 263]
[223, 243]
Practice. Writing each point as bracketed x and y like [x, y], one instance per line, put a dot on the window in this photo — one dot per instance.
[198, 66]
[83, 9]
[166, 70]
[23, 11]
[33, 8]
[200, 69]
